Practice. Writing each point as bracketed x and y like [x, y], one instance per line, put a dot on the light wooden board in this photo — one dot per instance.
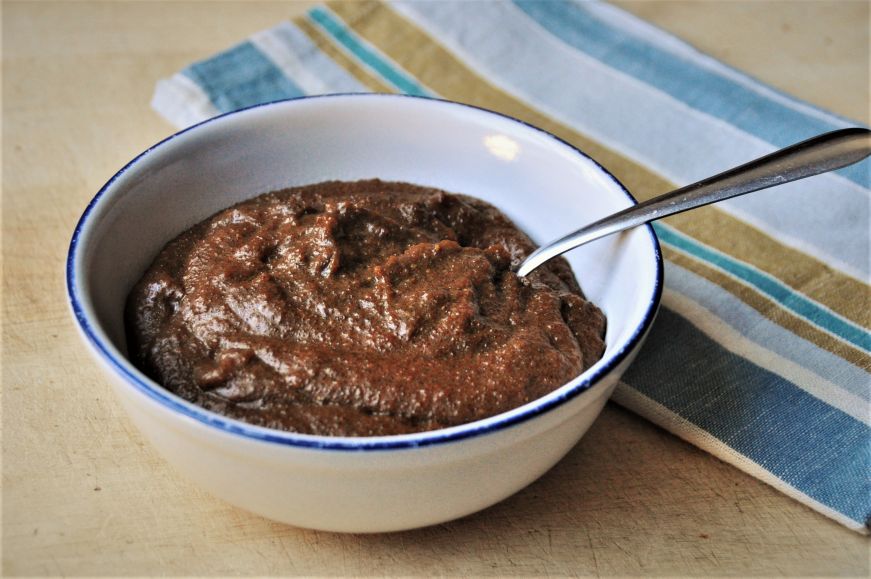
[83, 494]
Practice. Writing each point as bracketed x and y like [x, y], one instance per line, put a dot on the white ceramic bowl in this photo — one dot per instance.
[380, 483]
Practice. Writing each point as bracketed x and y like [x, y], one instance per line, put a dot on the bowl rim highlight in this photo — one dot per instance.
[132, 376]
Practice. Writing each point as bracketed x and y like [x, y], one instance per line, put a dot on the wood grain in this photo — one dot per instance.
[84, 495]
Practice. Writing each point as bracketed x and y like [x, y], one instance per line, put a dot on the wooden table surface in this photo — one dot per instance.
[83, 494]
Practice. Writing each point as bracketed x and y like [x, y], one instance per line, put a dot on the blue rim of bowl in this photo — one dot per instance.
[404, 441]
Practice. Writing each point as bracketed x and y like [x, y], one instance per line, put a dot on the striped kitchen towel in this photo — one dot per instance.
[760, 354]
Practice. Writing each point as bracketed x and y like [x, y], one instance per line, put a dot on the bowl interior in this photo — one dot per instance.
[544, 185]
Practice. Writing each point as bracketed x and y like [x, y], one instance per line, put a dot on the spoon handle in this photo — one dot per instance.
[820, 154]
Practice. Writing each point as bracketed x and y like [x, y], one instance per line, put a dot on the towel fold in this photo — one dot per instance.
[760, 354]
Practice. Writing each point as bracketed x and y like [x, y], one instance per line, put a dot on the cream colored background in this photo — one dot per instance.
[84, 495]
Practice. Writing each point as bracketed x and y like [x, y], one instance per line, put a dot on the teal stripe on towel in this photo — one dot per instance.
[346, 38]
[699, 87]
[771, 287]
[241, 77]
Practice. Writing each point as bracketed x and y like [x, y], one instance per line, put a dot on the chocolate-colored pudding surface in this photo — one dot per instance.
[359, 309]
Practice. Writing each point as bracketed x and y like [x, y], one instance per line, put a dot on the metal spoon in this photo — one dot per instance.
[820, 154]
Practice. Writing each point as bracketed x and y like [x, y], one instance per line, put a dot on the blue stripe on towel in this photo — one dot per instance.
[698, 87]
[239, 77]
[812, 446]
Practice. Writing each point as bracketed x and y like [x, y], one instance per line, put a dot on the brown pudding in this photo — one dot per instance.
[359, 309]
